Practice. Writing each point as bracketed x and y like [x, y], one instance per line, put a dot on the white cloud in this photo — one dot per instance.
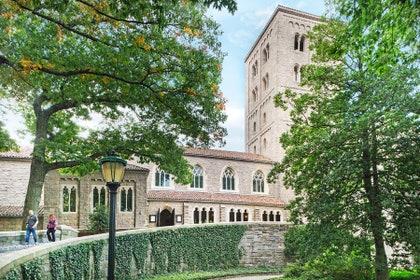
[235, 127]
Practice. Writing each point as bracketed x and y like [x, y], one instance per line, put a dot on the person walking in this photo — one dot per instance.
[31, 224]
[51, 228]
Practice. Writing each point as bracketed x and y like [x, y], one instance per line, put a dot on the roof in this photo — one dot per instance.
[230, 198]
[229, 155]
[135, 167]
[24, 153]
[11, 211]
[287, 10]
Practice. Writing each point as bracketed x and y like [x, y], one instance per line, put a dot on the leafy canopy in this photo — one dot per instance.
[353, 148]
[139, 77]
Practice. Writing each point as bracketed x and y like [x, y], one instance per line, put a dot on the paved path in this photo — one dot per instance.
[253, 277]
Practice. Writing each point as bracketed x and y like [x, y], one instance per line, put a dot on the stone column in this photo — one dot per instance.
[257, 215]
[222, 214]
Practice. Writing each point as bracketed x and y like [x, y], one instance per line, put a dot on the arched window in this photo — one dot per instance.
[255, 149]
[231, 215]
[203, 216]
[123, 200]
[264, 117]
[254, 96]
[258, 182]
[296, 72]
[302, 43]
[196, 216]
[271, 216]
[267, 81]
[254, 70]
[265, 143]
[126, 199]
[246, 218]
[211, 215]
[264, 83]
[130, 200]
[264, 216]
[296, 41]
[239, 215]
[265, 55]
[267, 48]
[162, 179]
[69, 199]
[278, 216]
[197, 180]
[99, 196]
[254, 126]
[228, 179]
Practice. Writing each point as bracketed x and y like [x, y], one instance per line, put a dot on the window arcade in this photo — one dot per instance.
[99, 196]
[198, 179]
[126, 199]
[69, 199]
[228, 180]
[162, 179]
[258, 182]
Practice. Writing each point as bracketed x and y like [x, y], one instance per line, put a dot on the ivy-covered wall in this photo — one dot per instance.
[139, 254]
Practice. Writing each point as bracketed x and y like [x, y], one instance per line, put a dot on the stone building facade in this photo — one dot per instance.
[272, 65]
[227, 186]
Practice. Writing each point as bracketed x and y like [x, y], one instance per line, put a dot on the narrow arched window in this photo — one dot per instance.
[264, 118]
[254, 70]
[211, 215]
[231, 215]
[246, 217]
[264, 216]
[203, 215]
[296, 41]
[254, 126]
[264, 83]
[255, 149]
[162, 179]
[265, 55]
[102, 196]
[130, 200]
[66, 200]
[254, 95]
[265, 143]
[197, 180]
[123, 200]
[239, 215]
[302, 43]
[95, 197]
[267, 80]
[271, 216]
[73, 199]
[278, 216]
[296, 72]
[196, 216]
[258, 182]
[228, 179]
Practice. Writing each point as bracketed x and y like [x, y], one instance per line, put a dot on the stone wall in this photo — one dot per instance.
[18, 237]
[10, 223]
[261, 244]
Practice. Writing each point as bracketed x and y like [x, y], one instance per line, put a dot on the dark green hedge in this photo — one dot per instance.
[144, 254]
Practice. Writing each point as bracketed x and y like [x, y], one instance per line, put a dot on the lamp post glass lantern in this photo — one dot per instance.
[113, 170]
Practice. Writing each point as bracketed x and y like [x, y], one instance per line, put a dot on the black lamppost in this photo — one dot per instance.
[113, 169]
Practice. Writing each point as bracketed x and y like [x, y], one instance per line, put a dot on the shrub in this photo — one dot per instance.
[404, 275]
[99, 219]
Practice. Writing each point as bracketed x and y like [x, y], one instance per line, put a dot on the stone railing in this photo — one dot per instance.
[8, 238]
[244, 244]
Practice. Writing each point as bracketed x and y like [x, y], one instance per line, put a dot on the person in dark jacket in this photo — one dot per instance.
[31, 224]
[51, 228]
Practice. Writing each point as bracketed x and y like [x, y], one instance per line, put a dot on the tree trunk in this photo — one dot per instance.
[38, 164]
[34, 190]
[375, 208]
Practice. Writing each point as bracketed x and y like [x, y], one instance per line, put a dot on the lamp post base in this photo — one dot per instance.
[112, 187]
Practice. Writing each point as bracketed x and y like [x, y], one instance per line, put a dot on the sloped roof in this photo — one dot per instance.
[24, 153]
[229, 155]
[10, 211]
[229, 198]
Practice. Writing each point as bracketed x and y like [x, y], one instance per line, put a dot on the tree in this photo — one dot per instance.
[353, 148]
[99, 219]
[146, 71]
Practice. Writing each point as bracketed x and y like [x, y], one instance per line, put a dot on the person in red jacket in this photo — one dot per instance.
[51, 227]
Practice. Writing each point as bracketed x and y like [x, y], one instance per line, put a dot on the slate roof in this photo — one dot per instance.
[229, 155]
[198, 196]
[11, 211]
[24, 153]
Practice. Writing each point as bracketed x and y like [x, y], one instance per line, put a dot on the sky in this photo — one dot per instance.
[240, 30]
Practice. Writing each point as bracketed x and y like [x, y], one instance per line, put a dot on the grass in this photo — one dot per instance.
[204, 275]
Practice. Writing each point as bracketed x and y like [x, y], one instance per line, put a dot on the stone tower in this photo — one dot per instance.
[273, 65]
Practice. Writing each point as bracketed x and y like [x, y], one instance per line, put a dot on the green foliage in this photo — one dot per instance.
[99, 219]
[146, 71]
[353, 148]
[204, 275]
[32, 270]
[13, 274]
[6, 143]
[403, 275]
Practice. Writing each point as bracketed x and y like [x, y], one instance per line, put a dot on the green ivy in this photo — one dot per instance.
[32, 270]
[170, 250]
[13, 274]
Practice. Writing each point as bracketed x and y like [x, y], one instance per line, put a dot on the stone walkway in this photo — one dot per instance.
[253, 277]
